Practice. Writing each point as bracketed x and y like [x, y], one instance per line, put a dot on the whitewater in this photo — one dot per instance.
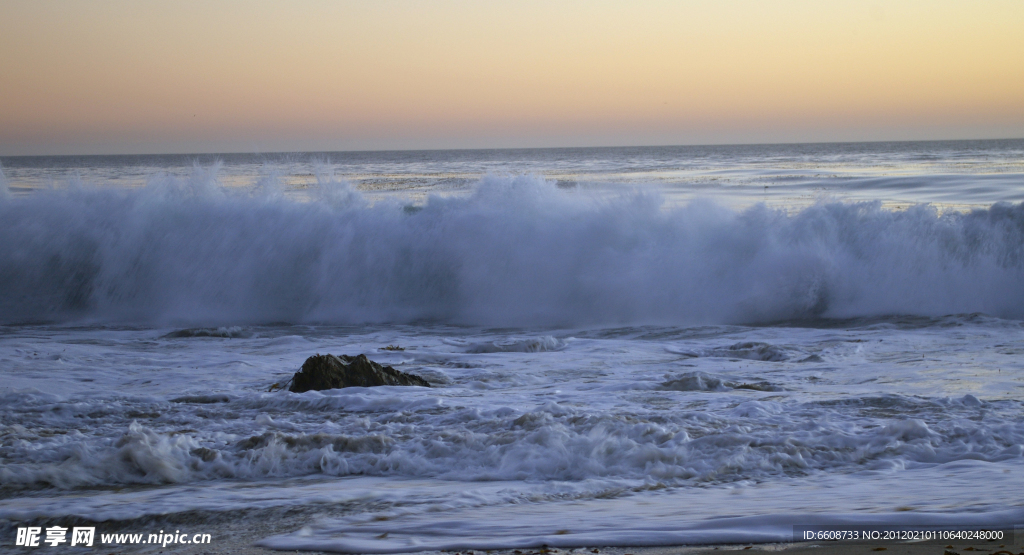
[643, 346]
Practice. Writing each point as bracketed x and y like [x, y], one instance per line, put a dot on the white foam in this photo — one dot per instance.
[518, 251]
[609, 414]
[530, 345]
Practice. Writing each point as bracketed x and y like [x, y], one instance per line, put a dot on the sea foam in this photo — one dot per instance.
[516, 251]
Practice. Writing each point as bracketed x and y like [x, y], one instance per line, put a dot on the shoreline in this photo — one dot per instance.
[243, 543]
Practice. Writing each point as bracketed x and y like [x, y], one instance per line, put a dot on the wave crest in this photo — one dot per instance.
[518, 251]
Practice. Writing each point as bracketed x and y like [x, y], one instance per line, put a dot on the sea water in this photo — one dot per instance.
[636, 346]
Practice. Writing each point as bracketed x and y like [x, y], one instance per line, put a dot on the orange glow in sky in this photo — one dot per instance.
[217, 75]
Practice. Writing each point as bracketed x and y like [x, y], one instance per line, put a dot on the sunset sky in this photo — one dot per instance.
[257, 76]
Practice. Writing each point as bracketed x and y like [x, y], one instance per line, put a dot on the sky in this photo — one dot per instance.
[184, 76]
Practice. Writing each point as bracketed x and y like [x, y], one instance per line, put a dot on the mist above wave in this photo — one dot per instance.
[517, 251]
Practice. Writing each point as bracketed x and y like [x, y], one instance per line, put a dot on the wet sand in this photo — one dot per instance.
[244, 544]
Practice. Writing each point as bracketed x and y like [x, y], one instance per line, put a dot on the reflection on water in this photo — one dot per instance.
[955, 174]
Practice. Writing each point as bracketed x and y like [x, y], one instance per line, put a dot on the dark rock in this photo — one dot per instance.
[202, 399]
[228, 333]
[699, 381]
[752, 350]
[330, 372]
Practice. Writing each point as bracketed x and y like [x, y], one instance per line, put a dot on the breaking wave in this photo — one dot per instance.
[517, 251]
[392, 436]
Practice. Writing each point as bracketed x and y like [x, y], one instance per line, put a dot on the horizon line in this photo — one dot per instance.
[483, 149]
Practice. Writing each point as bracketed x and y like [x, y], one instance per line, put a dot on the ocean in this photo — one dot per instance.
[626, 346]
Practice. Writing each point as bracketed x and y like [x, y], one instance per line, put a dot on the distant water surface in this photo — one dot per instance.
[959, 173]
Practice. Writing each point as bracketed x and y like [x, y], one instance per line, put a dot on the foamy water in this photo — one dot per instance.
[612, 364]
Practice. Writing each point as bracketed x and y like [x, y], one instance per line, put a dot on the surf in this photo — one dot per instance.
[518, 250]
